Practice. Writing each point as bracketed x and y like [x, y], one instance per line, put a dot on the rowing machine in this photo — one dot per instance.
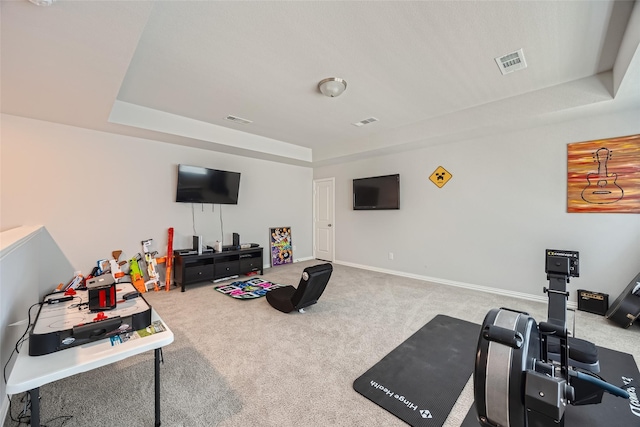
[526, 373]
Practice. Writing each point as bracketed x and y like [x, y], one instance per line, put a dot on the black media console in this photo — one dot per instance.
[193, 268]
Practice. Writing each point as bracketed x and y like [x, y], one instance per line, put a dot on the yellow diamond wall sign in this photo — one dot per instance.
[440, 177]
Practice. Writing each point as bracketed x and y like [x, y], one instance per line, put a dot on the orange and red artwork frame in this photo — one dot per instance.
[603, 175]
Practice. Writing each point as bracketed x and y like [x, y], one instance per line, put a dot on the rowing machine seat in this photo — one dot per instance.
[582, 354]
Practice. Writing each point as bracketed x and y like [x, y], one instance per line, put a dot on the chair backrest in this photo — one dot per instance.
[314, 280]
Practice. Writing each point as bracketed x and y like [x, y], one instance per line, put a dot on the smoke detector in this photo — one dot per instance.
[511, 62]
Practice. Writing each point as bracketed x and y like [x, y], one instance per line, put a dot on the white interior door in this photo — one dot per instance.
[323, 217]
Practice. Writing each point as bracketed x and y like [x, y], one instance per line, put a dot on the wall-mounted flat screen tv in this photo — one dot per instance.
[202, 185]
[376, 193]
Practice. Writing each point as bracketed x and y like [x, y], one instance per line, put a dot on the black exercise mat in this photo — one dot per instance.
[613, 411]
[421, 379]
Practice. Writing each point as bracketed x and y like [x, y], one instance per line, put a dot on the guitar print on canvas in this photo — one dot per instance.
[602, 188]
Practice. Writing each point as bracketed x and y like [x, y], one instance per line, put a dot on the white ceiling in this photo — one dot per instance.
[173, 70]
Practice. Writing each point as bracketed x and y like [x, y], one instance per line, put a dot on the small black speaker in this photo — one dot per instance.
[236, 239]
[198, 244]
[593, 302]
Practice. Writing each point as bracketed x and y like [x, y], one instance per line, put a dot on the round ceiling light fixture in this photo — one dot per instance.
[332, 86]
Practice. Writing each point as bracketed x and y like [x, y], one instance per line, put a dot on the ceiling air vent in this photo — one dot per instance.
[511, 62]
[238, 120]
[365, 121]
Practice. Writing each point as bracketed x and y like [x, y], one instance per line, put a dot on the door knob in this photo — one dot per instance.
[329, 225]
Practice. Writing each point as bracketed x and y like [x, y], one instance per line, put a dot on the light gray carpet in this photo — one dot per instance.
[241, 363]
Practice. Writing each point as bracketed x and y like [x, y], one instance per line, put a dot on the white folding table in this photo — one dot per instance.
[29, 373]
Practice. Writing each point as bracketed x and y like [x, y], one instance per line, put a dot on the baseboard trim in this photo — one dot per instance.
[487, 289]
[294, 260]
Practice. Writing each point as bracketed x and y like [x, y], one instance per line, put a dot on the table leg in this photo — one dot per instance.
[157, 381]
[34, 395]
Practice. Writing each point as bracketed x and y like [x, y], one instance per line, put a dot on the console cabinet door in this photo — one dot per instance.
[198, 273]
[225, 269]
[250, 264]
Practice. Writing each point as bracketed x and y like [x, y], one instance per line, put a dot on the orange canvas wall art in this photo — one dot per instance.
[603, 175]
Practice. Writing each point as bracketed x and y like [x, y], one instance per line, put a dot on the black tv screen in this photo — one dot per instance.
[376, 193]
[202, 185]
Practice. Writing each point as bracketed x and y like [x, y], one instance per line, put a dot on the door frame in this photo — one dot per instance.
[332, 180]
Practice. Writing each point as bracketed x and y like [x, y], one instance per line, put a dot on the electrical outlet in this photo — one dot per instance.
[391, 255]
[293, 247]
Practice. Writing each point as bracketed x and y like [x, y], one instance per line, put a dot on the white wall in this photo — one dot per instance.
[31, 266]
[490, 224]
[96, 192]
[488, 227]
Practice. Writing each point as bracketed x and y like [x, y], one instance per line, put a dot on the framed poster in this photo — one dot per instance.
[604, 175]
[280, 246]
